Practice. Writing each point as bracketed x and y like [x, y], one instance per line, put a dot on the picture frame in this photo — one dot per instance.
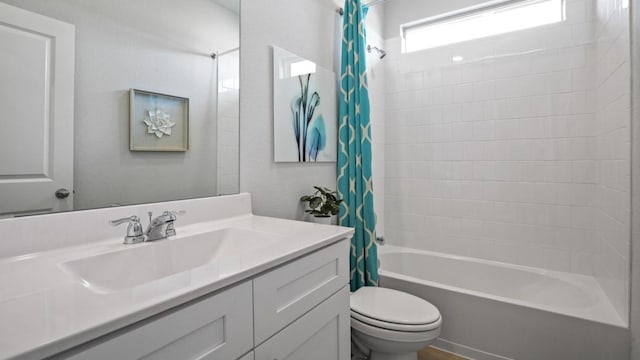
[304, 110]
[158, 122]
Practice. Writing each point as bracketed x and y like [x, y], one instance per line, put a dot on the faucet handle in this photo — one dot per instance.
[172, 215]
[124, 220]
[134, 230]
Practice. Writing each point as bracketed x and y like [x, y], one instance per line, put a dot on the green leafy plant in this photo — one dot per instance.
[322, 203]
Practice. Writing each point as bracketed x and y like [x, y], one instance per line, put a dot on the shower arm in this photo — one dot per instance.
[381, 53]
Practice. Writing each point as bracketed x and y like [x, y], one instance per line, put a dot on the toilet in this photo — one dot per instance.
[392, 325]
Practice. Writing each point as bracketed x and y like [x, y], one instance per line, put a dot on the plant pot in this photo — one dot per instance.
[328, 220]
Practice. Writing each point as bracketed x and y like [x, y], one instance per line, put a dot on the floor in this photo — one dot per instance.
[435, 354]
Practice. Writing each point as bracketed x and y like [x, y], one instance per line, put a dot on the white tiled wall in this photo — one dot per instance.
[613, 175]
[519, 153]
[376, 81]
[228, 142]
[634, 313]
[228, 123]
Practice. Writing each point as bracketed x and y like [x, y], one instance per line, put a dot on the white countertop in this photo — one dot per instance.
[44, 310]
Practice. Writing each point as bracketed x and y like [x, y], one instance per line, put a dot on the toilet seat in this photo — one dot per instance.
[394, 326]
[393, 310]
[393, 335]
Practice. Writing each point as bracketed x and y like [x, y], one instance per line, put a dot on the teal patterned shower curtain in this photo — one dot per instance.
[354, 150]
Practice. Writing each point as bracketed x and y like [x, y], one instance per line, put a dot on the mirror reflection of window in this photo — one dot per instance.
[302, 68]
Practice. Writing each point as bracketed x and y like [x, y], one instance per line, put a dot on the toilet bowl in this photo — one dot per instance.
[392, 325]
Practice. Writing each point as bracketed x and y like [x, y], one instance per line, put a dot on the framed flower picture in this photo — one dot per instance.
[158, 122]
[304, 110]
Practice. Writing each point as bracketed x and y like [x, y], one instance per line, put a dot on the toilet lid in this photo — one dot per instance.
[392, 306]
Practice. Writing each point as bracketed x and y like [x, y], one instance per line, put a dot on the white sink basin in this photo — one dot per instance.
[140, 264]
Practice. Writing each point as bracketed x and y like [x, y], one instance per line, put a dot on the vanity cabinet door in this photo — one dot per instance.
[321, 334]
[288, 292]
[218, 327]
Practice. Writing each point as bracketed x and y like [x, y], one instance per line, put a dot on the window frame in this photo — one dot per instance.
[468, 12]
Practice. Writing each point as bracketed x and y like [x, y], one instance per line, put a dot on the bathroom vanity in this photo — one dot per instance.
[229, 285]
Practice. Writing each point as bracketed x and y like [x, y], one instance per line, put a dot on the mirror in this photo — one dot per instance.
[68, 70]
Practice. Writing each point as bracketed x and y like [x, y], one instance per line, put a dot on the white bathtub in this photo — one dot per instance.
[493, 310]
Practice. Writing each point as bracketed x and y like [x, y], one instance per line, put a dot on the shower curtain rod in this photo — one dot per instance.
[228, 51]
[374, 2]
[214, 55]
[370, 3]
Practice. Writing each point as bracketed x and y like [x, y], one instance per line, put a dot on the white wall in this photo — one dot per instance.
[307, 28]
[519, 153]
[121, 45]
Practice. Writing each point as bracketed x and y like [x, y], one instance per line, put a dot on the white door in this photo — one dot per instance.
[36, 112]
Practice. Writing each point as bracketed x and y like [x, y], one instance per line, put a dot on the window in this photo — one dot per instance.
[493, 18]
[302, 67]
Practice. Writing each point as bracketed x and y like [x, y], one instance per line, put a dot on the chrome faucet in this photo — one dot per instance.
[162, 226]
[134, 230]
[159, 228]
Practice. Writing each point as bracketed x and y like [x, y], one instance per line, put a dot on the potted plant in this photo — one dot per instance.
[322, 204]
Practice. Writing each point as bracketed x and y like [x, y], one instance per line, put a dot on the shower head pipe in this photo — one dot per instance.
[381, 53]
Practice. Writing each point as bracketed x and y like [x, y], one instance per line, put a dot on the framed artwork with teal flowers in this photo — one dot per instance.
[304, 110]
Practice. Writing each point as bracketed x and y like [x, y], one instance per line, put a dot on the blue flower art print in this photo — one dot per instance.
[305, 123]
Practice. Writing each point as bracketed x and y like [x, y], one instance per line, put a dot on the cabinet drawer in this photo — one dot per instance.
[216, 327]
[286, 293]
[321, 334]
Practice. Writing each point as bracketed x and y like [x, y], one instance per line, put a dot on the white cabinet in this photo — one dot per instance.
[217, 327]
[299, 310]
[286, 293]
[321, 334]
